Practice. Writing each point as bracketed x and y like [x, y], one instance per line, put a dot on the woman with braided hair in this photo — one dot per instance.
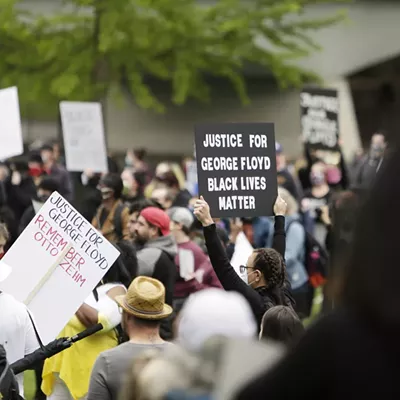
[267, 285]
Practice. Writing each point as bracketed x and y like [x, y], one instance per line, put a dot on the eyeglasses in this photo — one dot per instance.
[243, 268]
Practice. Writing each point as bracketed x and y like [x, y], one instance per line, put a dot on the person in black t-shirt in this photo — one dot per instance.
[315, 199]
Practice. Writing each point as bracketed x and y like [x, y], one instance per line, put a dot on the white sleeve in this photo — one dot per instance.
[31, 342]
[109, 309]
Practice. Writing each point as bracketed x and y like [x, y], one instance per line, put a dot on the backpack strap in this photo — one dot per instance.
[96, 294]
[117, 221]
[36, 332]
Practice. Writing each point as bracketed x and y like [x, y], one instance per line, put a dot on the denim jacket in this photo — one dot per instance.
[295, 250]
[262, 228]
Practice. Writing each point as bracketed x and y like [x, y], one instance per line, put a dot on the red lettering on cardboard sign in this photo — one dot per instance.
[48, 237]
[71, 264]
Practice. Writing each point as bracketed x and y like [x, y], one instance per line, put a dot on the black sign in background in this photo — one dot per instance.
[319, 124]
[264, 199]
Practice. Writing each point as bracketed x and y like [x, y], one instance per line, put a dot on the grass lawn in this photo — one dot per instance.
[317, 305]
[30, 385]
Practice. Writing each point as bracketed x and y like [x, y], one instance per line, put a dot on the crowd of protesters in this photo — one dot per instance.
[173, 288]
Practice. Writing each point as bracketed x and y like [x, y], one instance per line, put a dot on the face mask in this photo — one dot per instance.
[376, 151]
[127, 189]
[333, 176]
[45, 158]
[317, 178]
[128, 162]
[35, 172]
[106, 193]
[248, 276]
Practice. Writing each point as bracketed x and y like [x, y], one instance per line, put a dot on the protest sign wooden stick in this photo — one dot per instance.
[46, 277]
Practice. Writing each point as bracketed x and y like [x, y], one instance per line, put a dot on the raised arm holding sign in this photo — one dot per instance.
[268, 285]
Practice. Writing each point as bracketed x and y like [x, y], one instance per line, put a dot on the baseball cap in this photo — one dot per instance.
[181, 215]
[278, 148]
[158, 218]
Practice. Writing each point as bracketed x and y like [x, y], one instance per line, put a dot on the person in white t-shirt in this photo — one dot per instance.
[17, 333]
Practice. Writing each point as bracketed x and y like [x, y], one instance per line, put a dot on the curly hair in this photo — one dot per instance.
[272, 266]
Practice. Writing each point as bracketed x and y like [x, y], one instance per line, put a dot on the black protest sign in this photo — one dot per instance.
[320, 118]
[236, 168]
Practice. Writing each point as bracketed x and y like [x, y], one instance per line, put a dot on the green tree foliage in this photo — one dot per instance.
[89, 47]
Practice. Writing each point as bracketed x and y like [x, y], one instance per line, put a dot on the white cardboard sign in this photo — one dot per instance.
[55, 264]
[83, 132]
[243, 250]
[191, 178]
[10, 124]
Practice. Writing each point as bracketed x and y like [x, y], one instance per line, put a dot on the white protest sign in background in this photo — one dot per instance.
[83, 132]
[10, 124]
[191, 178]
[56, 262]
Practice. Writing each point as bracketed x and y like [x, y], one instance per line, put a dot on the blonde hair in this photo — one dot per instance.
[292, 205]
[4, 232]
[155, 374]
[177, 170]
[130, 387]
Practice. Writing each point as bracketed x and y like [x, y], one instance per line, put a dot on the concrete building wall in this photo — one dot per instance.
[368, 37]
[172, 132]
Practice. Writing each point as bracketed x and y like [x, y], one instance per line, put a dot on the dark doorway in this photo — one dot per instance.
[376, 95]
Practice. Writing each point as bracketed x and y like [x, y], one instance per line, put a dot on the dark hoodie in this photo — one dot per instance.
[156, 259]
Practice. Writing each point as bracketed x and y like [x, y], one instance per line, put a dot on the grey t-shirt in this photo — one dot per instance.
[111, 367]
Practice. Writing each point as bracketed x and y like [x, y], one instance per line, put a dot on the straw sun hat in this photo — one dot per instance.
[145, 299]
